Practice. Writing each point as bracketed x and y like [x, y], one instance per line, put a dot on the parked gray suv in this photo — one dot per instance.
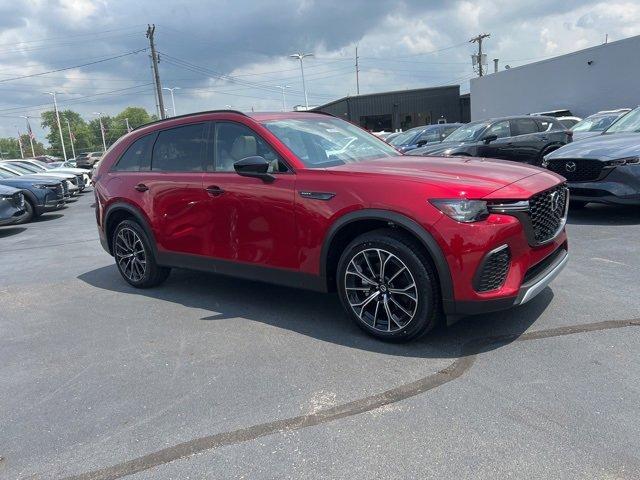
[604, 168]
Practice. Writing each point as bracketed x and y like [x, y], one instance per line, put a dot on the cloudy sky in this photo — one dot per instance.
[235, 53]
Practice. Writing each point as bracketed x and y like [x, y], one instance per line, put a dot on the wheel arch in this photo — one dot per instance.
[119, 211]
[349, 226]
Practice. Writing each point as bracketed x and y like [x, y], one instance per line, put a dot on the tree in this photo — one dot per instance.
[85, 139]
[9, 148]
[118, 125]
[38, 147]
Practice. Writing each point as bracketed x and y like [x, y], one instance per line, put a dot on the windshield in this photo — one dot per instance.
[327, 142]
[405, 137]
[628, 123]
[467, 133]
[595, 124]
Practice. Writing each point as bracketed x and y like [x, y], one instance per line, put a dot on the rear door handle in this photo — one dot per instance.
[214, 190]
[141, 187]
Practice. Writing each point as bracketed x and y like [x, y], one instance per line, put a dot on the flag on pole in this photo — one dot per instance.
[31, 135]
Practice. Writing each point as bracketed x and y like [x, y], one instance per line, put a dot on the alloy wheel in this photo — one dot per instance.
[381, 290]
[130, 254]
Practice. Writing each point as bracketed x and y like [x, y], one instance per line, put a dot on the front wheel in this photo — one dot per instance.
[134, 257]
[388, 286]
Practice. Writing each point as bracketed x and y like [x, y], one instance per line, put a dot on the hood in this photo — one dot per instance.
[582, 135]
[58, 176]
[475, 177]
[4, 190]
[31, 179]
[603, 147]
[71, 170]
[437, 149]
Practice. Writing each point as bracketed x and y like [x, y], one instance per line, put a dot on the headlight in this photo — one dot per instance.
[545, 162]
[462, 210]
[6, 197]
[42, 185]
[622, 161]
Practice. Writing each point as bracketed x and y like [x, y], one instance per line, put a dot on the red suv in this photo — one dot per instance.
[309, 200]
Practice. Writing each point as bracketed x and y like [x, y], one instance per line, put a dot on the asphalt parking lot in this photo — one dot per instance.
[210, 377]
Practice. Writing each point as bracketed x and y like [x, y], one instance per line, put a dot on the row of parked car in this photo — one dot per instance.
[593, 155]
[31, 187]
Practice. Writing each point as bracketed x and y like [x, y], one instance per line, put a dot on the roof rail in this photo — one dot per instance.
[188, 115]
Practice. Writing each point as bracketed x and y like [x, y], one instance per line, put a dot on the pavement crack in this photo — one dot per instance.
[459, 367]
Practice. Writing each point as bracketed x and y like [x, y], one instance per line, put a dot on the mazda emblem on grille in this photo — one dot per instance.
[570, 166]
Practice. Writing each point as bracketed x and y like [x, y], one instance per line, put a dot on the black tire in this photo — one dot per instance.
[398, 250]
[145, 271]
[29, 212]
[577, 204]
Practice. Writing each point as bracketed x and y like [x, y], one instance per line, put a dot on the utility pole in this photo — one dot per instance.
[126, 121]
[30, 132]
[104, 143]
[156, 74]
[55, 107]
[357, 73]
[478, 40]
[284, 100]
[173, 100]
[301, 56]
[73, 148]
[20, 142]
[495, 65]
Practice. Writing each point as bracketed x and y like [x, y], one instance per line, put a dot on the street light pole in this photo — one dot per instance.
[73, 148]
[173, 100]
[104, 142]
[284, 100]
[300, 56]
[55, 107]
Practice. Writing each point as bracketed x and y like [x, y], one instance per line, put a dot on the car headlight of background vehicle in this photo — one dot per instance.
[618, 162]
[462, 210]
[42, 185]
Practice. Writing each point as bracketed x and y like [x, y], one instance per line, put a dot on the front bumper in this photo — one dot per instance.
[621, 186]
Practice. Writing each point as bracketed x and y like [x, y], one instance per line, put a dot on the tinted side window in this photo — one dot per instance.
[525, 126]
[429, 136]
[234, 142]
[545, 125]
[180, 149]
[500, 129]
[137, 157]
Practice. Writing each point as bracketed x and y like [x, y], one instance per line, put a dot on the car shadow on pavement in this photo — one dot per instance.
[595, 214]
[320, 315]
[45, 217]
[10, 231]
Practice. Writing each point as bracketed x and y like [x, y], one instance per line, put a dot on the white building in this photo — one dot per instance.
[597, 78]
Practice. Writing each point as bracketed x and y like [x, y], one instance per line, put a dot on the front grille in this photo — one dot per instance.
[577, 169]
[493, 270]
[547, 211]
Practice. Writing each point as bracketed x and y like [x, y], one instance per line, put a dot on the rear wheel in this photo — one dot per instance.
[134, 256]
[388, 286]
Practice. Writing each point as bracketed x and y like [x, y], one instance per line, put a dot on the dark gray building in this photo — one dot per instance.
[402, 109]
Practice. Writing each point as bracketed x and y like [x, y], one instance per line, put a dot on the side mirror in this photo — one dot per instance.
[489, 138]
[255, 166]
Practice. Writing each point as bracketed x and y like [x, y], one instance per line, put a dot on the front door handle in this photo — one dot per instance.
[214, 190]
[141, 187]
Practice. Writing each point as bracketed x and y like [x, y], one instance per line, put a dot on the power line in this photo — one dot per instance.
[74, 66]
[88, 34]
